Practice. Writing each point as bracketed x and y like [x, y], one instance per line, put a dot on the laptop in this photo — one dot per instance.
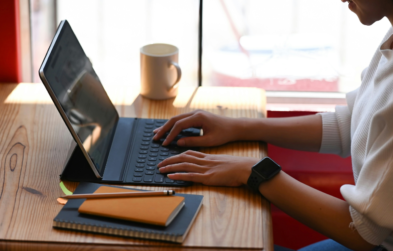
[116, 150]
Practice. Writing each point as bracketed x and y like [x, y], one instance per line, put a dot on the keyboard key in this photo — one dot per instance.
[186, 131]
[153, 154]
[146, 143]
[152, 159]
[142, 156]
[151, 168]
[148, 131]
[174, 151]
[141, 161]
[164, 154]
[137, 179]
[138, 174]
[191, 131]
[148, 178]
[146, 138]
[168, 180]
[139, 169]
[180, 182]
[140, 165]
[154, 145]
[159, 178]
[173, 143]
[154, 150]
[144, 147]
[149, 126]
[162, 158]
[147, 134]
[149, 172]
[149, 121]
[158, 171]
[151, 163]
[195, 131]
[163, 149]
[143, 152]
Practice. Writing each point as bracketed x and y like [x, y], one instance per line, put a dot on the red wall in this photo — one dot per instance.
[10, 70]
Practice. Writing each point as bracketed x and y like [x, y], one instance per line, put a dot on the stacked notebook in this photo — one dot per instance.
[167, 218]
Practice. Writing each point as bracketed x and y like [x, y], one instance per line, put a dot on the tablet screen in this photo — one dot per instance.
[81, 95]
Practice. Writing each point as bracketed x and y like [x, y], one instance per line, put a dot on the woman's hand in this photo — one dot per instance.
[208, 169]
[217, 130]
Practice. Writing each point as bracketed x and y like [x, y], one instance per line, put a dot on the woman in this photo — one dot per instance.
[362, 129]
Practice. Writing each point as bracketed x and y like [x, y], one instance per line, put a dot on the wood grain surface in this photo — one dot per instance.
[34, 143]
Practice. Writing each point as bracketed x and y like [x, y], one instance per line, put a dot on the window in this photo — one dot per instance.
[287, 45]
[43, 27]
[111, 33]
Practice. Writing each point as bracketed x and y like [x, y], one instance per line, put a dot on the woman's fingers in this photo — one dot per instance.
[157, 129]
[195, 153]
[190, 162]
[169, 124]
[188, 122]
[214, 133]
[216, 170]
[182, 167]
[182, 158]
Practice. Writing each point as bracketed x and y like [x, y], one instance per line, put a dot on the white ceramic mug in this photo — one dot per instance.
[160, 72]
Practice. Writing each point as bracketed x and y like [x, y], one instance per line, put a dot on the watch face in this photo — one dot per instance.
[267, 168]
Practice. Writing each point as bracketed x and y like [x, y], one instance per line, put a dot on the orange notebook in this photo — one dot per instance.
[156, 210]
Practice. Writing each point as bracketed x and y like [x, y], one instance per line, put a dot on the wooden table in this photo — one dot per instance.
[33, 146]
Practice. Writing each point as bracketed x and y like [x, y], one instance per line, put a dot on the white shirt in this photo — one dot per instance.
[364, 130]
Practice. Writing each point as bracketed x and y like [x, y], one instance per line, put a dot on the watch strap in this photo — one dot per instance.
[254, 181]
[262, 171]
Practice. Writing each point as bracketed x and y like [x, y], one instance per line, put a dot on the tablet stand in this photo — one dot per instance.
[77, 168]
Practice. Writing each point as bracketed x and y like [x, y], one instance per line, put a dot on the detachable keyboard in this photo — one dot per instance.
[145, 154]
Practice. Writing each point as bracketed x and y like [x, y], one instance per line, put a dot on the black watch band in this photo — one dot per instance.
[262, 171]
[254, 181]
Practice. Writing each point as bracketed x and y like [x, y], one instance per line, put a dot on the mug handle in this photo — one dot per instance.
[178, 70]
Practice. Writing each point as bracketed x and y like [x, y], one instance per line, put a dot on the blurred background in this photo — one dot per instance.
[285, 45]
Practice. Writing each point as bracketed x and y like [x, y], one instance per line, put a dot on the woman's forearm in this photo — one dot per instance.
[299, 133]
[322, 212]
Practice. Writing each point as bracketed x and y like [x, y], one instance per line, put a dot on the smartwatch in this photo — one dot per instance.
[262, 171]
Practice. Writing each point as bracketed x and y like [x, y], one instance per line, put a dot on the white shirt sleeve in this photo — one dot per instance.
[371, 199]
[336, 128]
[370, 202]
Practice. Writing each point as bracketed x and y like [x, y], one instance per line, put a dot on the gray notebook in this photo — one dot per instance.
[70, 218]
